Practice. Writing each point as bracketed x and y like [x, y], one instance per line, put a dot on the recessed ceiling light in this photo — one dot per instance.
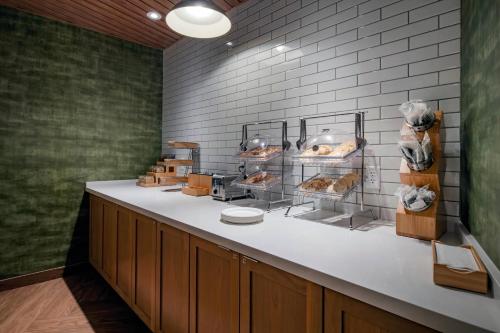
[198, 19]
[154, 15]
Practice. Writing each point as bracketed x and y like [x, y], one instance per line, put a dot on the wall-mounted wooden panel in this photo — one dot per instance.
[124, 19]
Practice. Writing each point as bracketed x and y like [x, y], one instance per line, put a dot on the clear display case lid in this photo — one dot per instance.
[327, 137]
[329, 147]
[257, 141]
[259, 148]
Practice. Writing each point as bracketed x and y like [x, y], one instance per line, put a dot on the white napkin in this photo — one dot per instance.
[456, 257]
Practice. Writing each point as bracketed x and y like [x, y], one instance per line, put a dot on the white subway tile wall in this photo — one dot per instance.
[294, 58]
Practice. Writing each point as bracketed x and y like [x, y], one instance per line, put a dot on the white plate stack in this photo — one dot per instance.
[242, 215]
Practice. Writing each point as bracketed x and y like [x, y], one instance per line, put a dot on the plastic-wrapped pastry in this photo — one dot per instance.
[417, 114]
[417, 154]
[416, 198]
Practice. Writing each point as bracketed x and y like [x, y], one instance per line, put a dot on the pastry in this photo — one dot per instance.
[344, 149]
[259, 178]
[261, 152]
[344, 183]
[340, 185]
[323, 150]
[318, 184]
[317, 150]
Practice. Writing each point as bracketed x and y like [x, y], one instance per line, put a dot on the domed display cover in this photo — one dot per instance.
[259, 148]
[329, 146]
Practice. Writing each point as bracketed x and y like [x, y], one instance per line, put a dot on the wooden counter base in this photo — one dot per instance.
[177, 282]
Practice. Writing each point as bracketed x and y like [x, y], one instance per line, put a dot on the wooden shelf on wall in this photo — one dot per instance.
[182, 145]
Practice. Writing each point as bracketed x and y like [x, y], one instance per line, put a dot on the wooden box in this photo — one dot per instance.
[198, 185]
[474, 281]
[421, 225]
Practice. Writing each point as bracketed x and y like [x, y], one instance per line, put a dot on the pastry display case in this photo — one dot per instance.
[333, 153]
[256, 153]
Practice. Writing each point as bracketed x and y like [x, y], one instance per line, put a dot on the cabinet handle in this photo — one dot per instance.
[224, 248]
[245, 258]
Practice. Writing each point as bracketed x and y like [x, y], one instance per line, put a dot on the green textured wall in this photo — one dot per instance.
[480, 122]
[74, 106]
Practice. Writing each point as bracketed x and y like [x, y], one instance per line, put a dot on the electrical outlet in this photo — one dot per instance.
[372, 177]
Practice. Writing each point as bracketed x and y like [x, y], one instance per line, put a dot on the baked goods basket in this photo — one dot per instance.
[330, 187]
[259, 181]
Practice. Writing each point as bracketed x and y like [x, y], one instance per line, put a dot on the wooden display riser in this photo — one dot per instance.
[169, 182]
[421, 178]
[171, 162]
[423, 225]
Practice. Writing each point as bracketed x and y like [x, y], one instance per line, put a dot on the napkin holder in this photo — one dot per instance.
[474, 281]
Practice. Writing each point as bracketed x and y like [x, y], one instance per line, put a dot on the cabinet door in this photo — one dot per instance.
[124, 253]
[214, 292]
[274, 301]
[143, 296]
[109, 242]
[172, 280]
[346, 315]
[95, 233]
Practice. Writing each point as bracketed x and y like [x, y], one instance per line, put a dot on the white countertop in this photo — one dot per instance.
[376, 266]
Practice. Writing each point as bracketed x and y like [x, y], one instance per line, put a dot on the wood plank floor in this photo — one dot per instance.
[81, 303]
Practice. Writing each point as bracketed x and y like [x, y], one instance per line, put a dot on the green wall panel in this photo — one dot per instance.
[74, 106]
[480, 123]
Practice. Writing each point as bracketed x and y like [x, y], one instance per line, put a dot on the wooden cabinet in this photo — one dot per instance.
[343, 314]
[274, 301]
[172, 280]
[95, 233]
[143, 271]
[109, 224]
[179, 283]
[124, 253]
[214, 288]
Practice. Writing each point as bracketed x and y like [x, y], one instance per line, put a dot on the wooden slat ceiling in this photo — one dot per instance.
[124, 19]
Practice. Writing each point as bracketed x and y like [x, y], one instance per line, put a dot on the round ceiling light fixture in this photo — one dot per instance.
[154, 15]
[198, 19]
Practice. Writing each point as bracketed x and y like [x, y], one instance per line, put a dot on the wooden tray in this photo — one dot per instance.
[147, 185]
[473, 281]
[169, 162]
[195, 191]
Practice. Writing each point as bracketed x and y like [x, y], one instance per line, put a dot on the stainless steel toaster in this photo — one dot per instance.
[223, 190]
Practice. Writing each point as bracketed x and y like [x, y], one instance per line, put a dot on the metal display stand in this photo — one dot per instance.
[285, 145]
[359, 132]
